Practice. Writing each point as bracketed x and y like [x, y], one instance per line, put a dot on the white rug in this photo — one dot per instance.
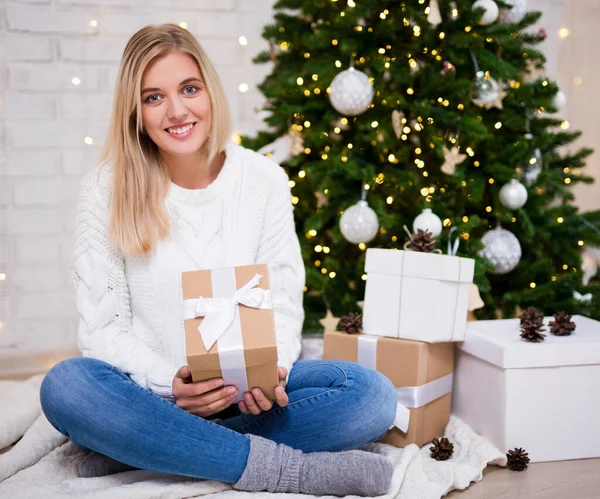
[43, 463]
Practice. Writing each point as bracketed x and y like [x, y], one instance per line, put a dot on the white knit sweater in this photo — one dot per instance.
[130, 307]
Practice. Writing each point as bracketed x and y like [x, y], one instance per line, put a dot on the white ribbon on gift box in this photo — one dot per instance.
[222, 324]
[408, 396]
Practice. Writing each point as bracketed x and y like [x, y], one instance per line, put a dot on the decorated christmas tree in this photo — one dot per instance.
[380, 110]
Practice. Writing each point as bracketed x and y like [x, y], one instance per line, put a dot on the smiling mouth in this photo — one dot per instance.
[180, 130]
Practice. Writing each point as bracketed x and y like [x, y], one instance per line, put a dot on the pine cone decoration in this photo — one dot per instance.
[422, 241]
[562, 325]
[351, 323]
[531, 314]
[442, 449]
[517, 459]
[531, 330]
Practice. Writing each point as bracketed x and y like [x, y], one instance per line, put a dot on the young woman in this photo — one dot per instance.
[172, 194]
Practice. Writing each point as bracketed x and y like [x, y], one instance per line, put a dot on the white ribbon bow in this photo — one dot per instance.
[579, 297]
[219, 313]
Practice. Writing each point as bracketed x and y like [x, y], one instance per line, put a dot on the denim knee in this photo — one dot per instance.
[379, 399]
[62, 383]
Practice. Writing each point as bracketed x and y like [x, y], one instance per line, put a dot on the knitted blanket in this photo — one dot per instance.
[43, 463]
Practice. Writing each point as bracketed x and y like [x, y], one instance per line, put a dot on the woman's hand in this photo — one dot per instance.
[255, 401]
[202, 398]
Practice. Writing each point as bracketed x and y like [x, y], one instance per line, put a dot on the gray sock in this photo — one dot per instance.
[95, 465]
[279, 468]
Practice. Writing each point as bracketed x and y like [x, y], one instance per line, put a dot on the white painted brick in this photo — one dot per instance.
[60, 134]
[33, 305]
[204, 5]
[39, 249]
[103, 3]
[115, 22]
[255, 6]
[33, 163]
[91, 50]
[57, 335]
[223, 52]
[217, 24]
[4, 301]
[43, 192]
[20, 106]
[47, 20]
[26, 47]
[36, 2]
[55, 77]
[38, 279]
[4, 197]
[82, 106]
[4, 251]
[78, 161]
[32, 221]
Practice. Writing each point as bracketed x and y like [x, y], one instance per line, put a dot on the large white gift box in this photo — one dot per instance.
[416, 296]
[543, 397]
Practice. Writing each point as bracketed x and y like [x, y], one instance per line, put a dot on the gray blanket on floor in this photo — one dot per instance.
[43, 463]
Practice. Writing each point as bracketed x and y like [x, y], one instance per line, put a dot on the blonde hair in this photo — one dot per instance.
[140, 179]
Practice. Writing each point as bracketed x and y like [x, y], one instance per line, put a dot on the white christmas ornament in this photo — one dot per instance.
[513, 195]
[351, 92]
[491, 11]
[359, 223]
[428, 220]
[434, 17]
[514, 15]
[484, 90]
[502, 249]
[560, 100]
[533, 168]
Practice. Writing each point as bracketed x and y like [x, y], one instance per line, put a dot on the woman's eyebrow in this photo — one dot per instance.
[187, 80]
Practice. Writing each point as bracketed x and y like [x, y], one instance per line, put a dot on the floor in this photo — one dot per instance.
[556, 480]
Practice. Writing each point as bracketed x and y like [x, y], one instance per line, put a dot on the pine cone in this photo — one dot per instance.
[517, 459]
[351, 323]
[531, 314]
[562, 325]
[422, 241]
[531, 330]
[442, 449]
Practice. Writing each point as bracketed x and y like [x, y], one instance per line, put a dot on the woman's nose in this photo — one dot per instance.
[176, 109]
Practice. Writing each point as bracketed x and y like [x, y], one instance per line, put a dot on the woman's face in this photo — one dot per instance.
[176, 110]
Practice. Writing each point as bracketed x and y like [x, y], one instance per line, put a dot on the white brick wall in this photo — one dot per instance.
[44, 118]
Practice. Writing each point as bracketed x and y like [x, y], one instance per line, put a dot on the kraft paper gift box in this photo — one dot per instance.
[543, 397]
[229, 327]
[416, 296]
[421, 373]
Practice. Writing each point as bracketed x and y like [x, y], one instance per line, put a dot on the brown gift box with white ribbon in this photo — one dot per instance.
[421, 372]
[245, 354]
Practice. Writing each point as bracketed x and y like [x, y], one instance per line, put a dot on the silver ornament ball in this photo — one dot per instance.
[502, 249]
[513, 195]
[514, 15]
[484, 90]
[351, 92]
[359, 223]
[428, 220]
[491, 11]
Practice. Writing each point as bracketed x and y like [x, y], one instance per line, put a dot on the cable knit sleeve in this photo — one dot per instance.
[98, 273]
[280, 248]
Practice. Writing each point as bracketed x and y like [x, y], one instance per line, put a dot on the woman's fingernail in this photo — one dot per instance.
[219, 382]
[231, 390]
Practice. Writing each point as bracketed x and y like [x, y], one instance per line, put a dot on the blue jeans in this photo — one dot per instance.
[333, 406]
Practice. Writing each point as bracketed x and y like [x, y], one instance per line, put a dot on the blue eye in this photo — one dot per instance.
[153, 98]
[193, 90]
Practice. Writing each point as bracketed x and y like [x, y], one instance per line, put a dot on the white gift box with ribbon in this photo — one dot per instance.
[229, 327]
[543, 397]
[421, 373]
[417, 296]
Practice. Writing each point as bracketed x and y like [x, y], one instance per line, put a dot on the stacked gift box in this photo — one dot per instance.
[415, 308]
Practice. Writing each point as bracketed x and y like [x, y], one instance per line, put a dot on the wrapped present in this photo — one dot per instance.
[229, 327]
[417, 296]
[542, 397]
[421, 373]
